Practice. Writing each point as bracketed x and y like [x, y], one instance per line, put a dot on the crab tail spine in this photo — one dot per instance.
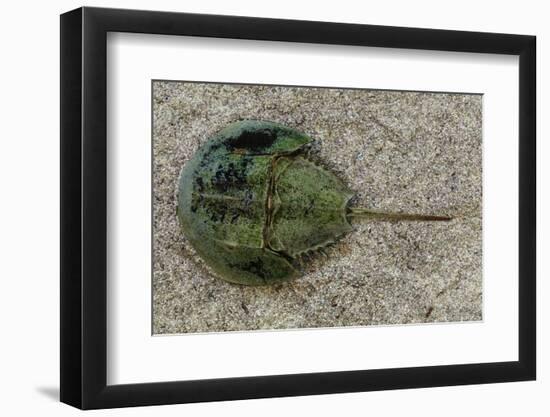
[379, 215]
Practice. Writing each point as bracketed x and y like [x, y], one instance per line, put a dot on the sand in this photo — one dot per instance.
[399, 151]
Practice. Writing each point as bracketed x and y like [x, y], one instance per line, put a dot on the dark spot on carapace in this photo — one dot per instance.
[200, 184]
[309, 207]
[253, 140]
[256, 267]
[197, 194]
[231, 176]
[218, 216]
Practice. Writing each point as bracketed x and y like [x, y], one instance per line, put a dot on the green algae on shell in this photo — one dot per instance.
[252, 204]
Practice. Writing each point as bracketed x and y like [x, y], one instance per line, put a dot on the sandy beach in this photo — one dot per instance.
[398, 151]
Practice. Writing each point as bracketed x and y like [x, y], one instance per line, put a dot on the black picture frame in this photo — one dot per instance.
[84, 207]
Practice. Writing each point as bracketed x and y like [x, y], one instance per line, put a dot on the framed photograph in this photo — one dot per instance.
[256, 208]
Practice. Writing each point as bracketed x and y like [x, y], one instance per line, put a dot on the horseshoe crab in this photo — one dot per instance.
[253, 205]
